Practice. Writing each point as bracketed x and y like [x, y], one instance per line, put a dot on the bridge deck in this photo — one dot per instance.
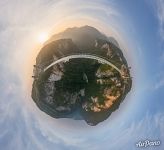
[87, 56]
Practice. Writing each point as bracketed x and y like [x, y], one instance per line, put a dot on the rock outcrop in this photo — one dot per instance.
[80, 88]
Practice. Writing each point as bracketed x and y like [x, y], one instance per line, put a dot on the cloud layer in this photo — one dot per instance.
[22, 125]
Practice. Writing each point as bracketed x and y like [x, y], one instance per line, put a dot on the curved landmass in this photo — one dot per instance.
[80, 88]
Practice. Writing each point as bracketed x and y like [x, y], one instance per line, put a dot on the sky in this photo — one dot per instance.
[138, 26]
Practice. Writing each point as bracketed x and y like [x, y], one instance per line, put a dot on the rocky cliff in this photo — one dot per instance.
[80, 88]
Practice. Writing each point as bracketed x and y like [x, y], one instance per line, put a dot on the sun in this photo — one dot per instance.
[42, 37]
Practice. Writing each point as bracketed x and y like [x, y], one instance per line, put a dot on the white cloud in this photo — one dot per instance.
[159, 81]
[159, 84]
[149, 127]
[20, 130]
[160, 11]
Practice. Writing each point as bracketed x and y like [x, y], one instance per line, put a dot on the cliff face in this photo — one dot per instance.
[80, 88]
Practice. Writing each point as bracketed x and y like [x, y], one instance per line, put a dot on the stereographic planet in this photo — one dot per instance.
[81, 75]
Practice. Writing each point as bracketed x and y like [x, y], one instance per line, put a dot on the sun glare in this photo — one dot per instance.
[42, 37]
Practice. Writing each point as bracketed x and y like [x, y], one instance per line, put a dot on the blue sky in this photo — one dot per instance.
[138, 26]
